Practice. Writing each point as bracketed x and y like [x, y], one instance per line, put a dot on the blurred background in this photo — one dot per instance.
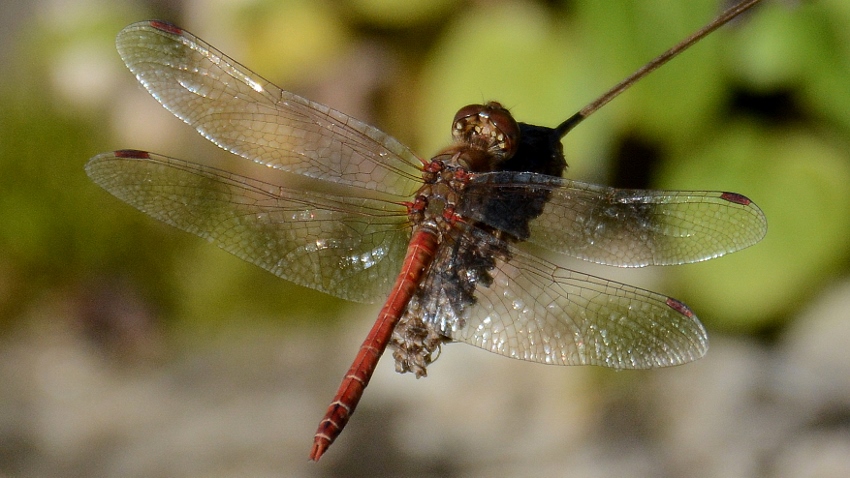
[128, 348]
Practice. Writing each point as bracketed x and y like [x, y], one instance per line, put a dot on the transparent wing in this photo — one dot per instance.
[618, 227]
[533, 310]
[345, 246]
[245, 114]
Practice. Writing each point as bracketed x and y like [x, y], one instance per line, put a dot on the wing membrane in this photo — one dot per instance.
[247, 115]
[348, 247]
[533, 310]
[630, 228]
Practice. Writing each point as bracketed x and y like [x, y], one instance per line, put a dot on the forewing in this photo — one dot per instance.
[537, 311]
[345, 246]
[620, 227]
[245, 114]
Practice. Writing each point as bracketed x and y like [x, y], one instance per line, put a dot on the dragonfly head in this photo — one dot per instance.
[489, 128]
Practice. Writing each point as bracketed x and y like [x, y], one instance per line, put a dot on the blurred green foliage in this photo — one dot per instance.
[407, 66]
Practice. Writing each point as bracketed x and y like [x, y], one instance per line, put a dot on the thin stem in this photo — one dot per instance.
[653, 65]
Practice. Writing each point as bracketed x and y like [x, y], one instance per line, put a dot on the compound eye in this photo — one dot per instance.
[491, 125]
[506, 125]
[464, 114]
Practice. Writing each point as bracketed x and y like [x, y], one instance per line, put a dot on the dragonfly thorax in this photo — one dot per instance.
[435, 203]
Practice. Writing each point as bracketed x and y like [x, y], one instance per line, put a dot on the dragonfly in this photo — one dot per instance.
[331, 203]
